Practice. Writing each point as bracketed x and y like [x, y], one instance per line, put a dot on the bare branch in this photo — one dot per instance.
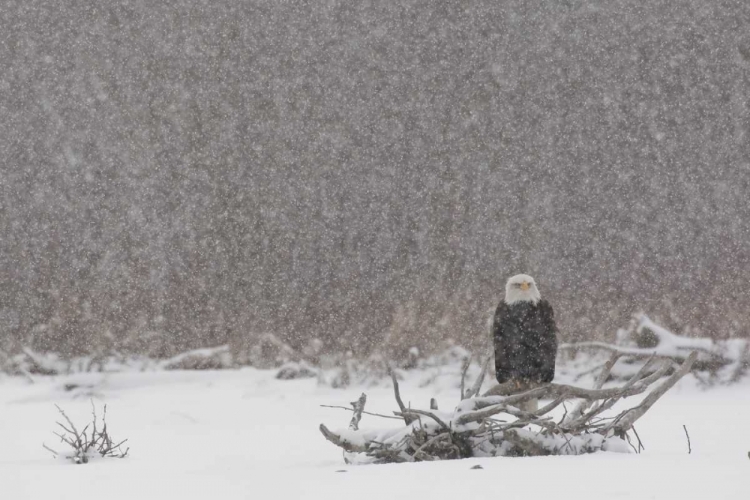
[743, 364]
[640, 353]
[631, 416]
[358, 406]
[610, 402]
[407, 419]
[640, 443]
[363, 412]
[477, 386]
[491, 405]
[427, 414]
[464, 369]
[551, 406]
[583, 404]
[606, 370]
[530, 418]
[50, 449]
[575, 418]
[83, 444]
[72, 425]
[630, 352]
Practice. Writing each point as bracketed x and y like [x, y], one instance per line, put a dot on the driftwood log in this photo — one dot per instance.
[644, 339]
[495, 426]
[705, 360]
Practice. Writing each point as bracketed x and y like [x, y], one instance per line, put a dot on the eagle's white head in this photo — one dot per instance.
[521, 288]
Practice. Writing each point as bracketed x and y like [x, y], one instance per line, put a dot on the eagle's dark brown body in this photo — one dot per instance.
[525, 341]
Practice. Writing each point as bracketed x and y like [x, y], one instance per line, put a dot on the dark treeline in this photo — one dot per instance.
[186, 173]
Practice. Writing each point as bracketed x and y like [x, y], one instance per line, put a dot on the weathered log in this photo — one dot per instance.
[341, 442]
[644, 339]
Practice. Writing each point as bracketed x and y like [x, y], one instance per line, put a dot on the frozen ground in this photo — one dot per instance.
[243, 434]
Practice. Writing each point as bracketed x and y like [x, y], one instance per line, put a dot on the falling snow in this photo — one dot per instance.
[185, 174]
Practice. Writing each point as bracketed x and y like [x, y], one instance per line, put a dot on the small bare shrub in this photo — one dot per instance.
[92, 441]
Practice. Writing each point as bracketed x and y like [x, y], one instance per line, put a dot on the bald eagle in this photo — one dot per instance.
[524, 335]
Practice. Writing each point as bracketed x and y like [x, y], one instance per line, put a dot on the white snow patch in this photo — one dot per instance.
[237, 434]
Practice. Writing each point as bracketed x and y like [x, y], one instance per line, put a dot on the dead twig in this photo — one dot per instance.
[477, 386]
[359, 406]
[584, 404]
[464, 369]
[363, 412]
[640, 443]
[407, 419]
[426, 414]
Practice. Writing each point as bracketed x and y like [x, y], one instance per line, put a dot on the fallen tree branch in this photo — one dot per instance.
[631, 352]
[473, 429]
[644, 338]
[341, 442]
[488, 406]
[626, 420]
[574, 422]
[584, 404]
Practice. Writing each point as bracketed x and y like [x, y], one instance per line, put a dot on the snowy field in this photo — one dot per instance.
[243, 434]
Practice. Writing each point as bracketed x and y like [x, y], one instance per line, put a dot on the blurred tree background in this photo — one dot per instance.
[188, 173]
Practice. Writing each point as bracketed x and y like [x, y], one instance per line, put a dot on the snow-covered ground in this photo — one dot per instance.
[243, 434]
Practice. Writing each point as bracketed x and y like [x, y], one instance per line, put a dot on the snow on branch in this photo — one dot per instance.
[496, 426]
[210, 358]
[718, 361]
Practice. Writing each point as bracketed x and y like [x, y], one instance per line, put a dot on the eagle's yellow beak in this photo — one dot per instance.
[524, 286]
